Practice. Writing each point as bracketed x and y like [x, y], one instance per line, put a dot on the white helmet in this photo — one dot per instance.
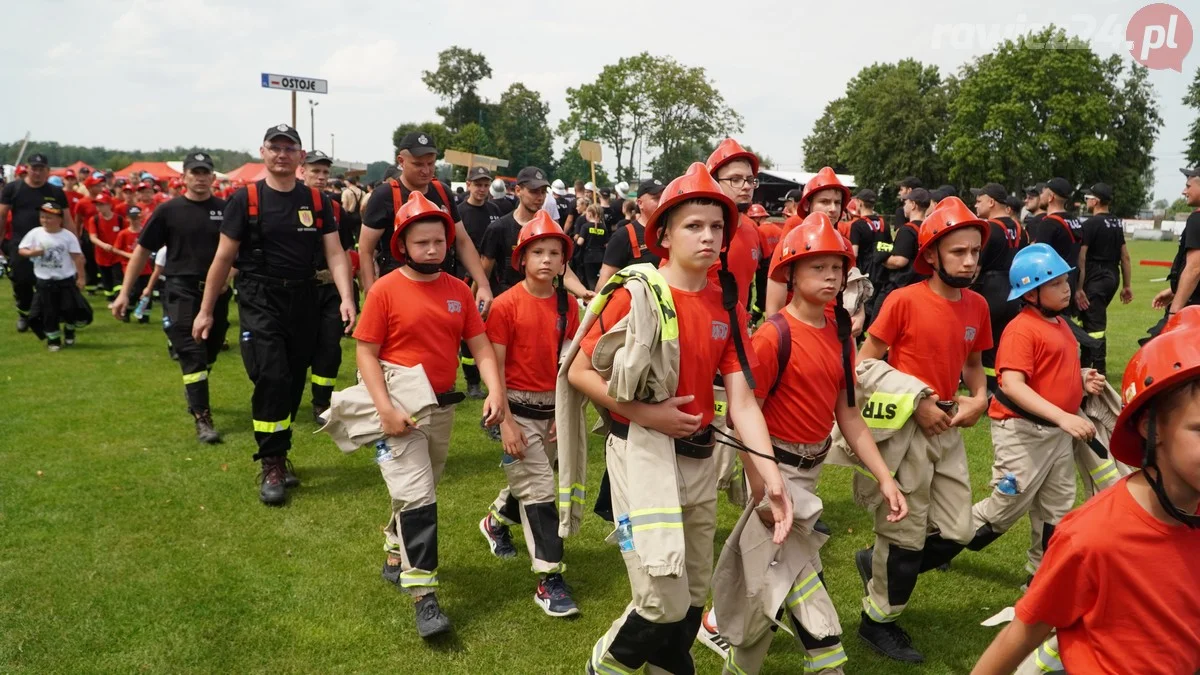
[621, 189]
[498, 190]
[559, 187]
[590, 187]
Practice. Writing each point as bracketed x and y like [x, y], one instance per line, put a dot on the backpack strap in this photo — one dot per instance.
[729, 299]
[396, 200]
[1070, 232]
[634, 245]
[316, 208]
[437, 185]
[337, 210]
[784, 353]
[842, 319]
[253, 225]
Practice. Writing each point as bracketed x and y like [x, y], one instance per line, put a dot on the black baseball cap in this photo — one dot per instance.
[478, 173]
[52, 208]
[134, 211]
[650, 186]
[867, 195]
[532, 178]
[1193, 172]
[318, 157]
[994, 190]
[201, 159]
[911, 182]
[282, 130]
[1035, 189]
[792, 196]
[937, 195]
[38, 159]
[1060, 187]
[919, 195]
[1015, 203]
[948, 191]
[1100, 191]
[418, 143]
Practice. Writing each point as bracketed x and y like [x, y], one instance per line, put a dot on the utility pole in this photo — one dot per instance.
[332, 152]
[312, 123]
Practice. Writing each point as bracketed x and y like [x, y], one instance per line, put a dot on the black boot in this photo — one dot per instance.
[271, 490]
[889, 639]
[205, 432]
[430, 619]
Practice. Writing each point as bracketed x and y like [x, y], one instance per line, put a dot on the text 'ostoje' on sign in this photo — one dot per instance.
[310, 85]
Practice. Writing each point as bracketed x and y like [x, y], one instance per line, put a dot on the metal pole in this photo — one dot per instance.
[293, 109]
[332, 152]
[312, 124]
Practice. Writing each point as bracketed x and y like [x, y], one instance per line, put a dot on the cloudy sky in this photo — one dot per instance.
[148, 73]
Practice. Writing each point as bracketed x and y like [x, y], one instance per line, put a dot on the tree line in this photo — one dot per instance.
[99, 157]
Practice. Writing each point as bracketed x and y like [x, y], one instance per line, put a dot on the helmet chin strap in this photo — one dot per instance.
[742, 208]
[952, 281]
[1154, 478]
[1048, 313]
[424, 268]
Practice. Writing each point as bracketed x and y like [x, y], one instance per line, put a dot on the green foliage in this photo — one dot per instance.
[653, 103]
[1192, 100]
[1023, 113]
[375, 171]
[571, 167]
[885, 127]
[522, 134]
[438, 132]
[104, 158]
[455, 80]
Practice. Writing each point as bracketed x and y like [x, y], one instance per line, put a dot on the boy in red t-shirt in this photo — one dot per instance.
[1034, 415]
[102, 230]
[694, 221]
[528, 325]
[1120, 583]
[127, 240]
[417, 315]
[934, 331]
[800, 405]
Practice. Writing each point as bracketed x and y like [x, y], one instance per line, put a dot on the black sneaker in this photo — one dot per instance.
[822, 527]
[205, 432]
[319, 410]
[22, 324]
[554, 597]
[890, 640]
[290, 479]
[863, 560]
[69, 338]
[171, 352]
[270, 489]
[476, 391]
[145, 318]
[430, 619]
[498, 537]
[391, 573]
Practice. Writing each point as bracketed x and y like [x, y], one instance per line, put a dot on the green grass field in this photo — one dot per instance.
[126, 546]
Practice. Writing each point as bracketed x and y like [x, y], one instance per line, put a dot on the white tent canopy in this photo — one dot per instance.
[802, 177]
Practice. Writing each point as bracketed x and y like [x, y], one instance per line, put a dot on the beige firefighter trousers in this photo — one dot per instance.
[937, 486]
[531, 480]
[808, 591]
[412, 467]
[665, 599]
[1041, 460]
[730, 478]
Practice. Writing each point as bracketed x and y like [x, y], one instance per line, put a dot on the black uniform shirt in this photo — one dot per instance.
[1104, 235]
[190, 231]
[381, 215]
[618, 252]
[1051, 231]
[905, 246]
[866, 233]
[1189, 239]
[25, 203]
[505, 205]
[476, 220]
[499, 242]
[291, 240]
[595, 237]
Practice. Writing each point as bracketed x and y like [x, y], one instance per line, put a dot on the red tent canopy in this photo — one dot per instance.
[160, 170]
[248, 172]
[77, 167]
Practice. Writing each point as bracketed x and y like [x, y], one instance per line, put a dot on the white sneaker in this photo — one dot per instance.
[710, 636]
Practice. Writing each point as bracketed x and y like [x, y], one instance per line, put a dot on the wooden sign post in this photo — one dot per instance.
[590, 151]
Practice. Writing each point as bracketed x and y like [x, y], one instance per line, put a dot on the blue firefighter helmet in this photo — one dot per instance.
[1033, 266]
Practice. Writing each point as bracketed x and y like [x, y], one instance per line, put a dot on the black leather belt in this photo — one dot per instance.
[800, 461]
[697, 446]
[533, 412]
[278, 281]
[450, 398]
[187, 281]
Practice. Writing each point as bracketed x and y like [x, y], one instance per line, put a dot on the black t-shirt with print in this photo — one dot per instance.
[292, 238]
[1104, 235]
[25, 203]
[1189, 239]
[618, 252]
[476, 220]
[381, 215]
[190, 231]
[499, 242]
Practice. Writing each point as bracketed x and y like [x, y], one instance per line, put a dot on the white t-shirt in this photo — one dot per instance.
[55, 262]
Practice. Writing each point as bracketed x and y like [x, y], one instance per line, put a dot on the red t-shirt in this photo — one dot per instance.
[126, 241]
[528, 328]
[83, 209]
[73, 198]
[930, 337]
[790, 224]
[1047, 353]
[743, 255]
[106, 229]
[705, 343]
[1122, 588]
[147, 208]
[420, 322]
[802, 408]
[769, 235]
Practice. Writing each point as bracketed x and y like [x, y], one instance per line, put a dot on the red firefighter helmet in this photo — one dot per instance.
[757, 211]
[419, 208]
[824, 180]
[817, 235]
[697, 183]
[950, 215]
[728, 151]
[541, 227]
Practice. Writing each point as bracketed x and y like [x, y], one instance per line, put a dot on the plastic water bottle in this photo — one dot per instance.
[1008, 485]
[142, 306]
[624, 533]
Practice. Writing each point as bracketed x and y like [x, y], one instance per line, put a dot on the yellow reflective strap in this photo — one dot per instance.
[576, 493]
[1108, 464]
[990, 372]
[720, 408]
[1099, 335]
[825, 659]
[802, 590]
[193, 378]
[272, 427]
[466, 360]
[888, 411]
[667, 318]
[878, 615]
[411, 578]
[326, 381]
[656, 519]
[731, 662]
